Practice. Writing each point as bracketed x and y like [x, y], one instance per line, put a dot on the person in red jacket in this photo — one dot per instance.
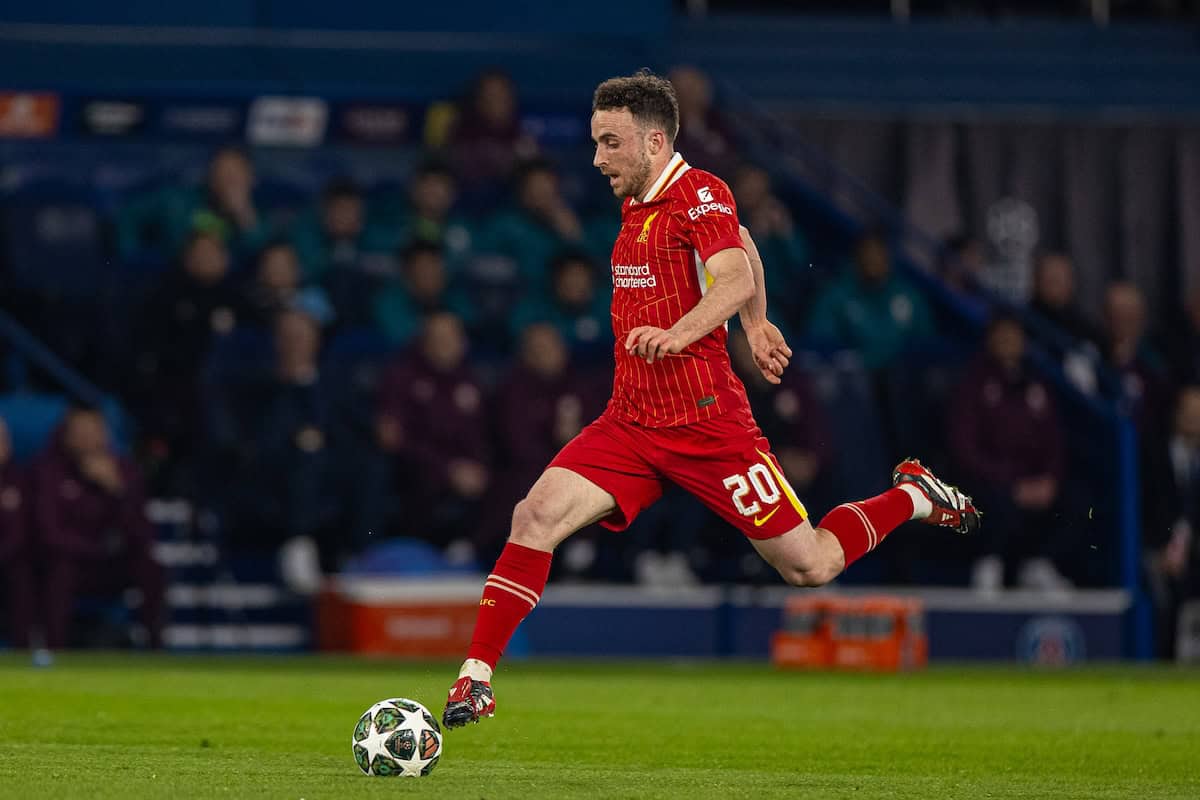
[15, 552]
[89, 515]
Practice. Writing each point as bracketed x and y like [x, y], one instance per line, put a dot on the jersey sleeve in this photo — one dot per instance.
[710, 220]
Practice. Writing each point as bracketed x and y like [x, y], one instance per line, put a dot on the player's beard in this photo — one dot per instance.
[639, 181]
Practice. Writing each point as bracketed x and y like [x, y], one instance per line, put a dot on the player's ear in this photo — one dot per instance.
[657, 142]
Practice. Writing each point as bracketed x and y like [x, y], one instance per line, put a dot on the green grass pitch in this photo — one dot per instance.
[111, 726]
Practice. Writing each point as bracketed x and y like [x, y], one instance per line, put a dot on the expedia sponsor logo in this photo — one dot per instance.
[633, 277]
[699, 211]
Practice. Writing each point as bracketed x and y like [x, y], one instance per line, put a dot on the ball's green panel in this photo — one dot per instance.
[363, 758]
[385, 767]
[402, 744]
[431, 722]
[407, 705]
[363, 729]
[387, 719]
[429, 744]
[429, 767]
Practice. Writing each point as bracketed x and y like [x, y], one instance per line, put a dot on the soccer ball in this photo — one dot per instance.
[397, 737]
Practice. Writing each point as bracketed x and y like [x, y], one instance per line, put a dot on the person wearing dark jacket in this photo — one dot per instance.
[1171, 518]
[89, 513]
[1006, 436]
[432, 419]
[16, 554]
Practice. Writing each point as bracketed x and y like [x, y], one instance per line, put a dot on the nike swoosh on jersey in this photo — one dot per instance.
[758, 523]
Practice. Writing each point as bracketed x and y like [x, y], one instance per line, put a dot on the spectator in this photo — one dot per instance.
[486, 140]
[1006, 437]
[1054, 297]
[705, 138]
[963, 261]
[1141, 370]
[870, 308]
[16, 550]
[575, 306]
[224, 207]
[296, 453]
[276, 287]
[332, 240]
[173, 332]
[424, 287]
[782, 246]
[433, 421]
[1171, 512]
[89, 512]
[541, 225]
[541, 404]
[428, 217]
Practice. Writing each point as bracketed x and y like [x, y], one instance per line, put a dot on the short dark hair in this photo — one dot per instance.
[340, 187]
[648, 97]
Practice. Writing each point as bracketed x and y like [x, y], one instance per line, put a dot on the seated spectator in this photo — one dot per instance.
[782, 246]
[541, 404]
[1171, 518]
[400, 307]
[1127, 350]
[540, 226]
[705, 137]
[792, 420]
[1006, 437]
[276, 286]
[332, 239]
[292, 450]
[574, 305]
[429, 216]
[16, 549]
[962, 262]
[90, 519]
[224, 207]
[486, 139]
[870, 308]
[433, 421]
[172, 334]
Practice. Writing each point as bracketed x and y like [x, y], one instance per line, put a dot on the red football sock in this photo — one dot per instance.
[509, 594]
[862, 525]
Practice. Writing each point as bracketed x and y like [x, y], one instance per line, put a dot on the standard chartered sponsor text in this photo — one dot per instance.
[637, 276]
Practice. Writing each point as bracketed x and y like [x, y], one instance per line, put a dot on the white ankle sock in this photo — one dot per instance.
[478, 670]
[922, 507]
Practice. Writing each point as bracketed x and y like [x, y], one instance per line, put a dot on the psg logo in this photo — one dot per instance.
[1050, 642]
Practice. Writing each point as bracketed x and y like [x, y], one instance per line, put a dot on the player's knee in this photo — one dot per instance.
[534, 525]
[811, 570]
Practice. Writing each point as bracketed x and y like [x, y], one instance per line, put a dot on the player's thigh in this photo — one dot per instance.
[559, 503]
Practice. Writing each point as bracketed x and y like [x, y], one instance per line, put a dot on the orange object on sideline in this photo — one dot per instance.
[397, 618]
[878, 633]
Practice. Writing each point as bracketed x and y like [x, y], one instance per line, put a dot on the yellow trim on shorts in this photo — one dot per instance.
[783, 483]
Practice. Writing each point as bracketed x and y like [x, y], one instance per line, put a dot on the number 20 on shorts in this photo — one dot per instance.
[759, 480]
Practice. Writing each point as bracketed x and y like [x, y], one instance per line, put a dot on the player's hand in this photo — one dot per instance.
[652, 343]
[771, 353]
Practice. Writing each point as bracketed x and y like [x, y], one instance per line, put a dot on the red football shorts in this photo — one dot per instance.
[726, 462]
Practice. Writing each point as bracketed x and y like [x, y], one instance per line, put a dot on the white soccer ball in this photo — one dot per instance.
[397, 737]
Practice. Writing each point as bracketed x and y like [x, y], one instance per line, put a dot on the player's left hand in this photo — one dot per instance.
[652, 343]
[771, 353]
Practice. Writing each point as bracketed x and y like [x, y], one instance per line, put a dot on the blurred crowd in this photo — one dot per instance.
[404, 361]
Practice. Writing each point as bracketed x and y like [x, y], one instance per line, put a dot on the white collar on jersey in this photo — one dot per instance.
[672, 172]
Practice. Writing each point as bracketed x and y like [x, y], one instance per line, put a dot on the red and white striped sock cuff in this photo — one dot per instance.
[499, 582]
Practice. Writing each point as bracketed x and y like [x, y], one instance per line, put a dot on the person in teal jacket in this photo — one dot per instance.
[428, 215]
[158, 223]
[424, 287]
[575, 303]
[541, 226]
[870, 309]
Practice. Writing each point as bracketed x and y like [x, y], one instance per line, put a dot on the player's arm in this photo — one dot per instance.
[770, 351]
[732, 287]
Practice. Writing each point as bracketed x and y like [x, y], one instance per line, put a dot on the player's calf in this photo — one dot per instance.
[803, 556]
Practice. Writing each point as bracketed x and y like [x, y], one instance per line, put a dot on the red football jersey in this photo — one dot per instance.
[658, 276]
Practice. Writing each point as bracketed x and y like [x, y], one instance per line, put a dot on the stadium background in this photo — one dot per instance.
[968, 139]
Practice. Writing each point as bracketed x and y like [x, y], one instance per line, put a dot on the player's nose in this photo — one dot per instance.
[596, 160]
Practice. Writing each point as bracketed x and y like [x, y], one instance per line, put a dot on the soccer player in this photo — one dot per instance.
[681, 267]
